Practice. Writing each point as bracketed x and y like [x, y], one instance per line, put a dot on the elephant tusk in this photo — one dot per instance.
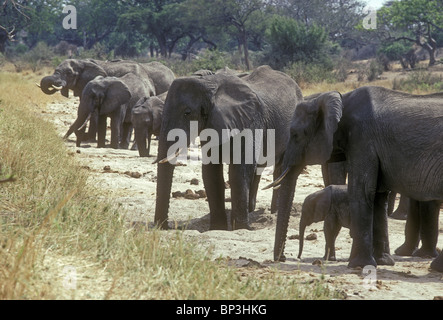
[85, 123]
[171, 157]
[57, 88]
[276, 183]
[38, 85]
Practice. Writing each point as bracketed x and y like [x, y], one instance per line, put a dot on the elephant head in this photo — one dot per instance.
[311, 141]
[102, 94]
[215, 101]
[314, 209]
[71, 74]
[146, 119]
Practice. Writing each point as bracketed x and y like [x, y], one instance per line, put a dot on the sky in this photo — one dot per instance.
[376, 4]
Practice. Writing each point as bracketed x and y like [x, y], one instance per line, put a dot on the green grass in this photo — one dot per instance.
[50, 214]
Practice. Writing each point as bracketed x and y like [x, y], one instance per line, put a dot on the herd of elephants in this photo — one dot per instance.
[372, 143]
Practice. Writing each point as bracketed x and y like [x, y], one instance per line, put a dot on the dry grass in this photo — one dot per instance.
[50, 219]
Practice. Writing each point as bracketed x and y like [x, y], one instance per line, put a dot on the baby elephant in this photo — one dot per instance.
[330, 205]
[146, 119]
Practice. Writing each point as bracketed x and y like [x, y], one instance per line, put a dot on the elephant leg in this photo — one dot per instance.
[126, 135]
[331, 229]
[437, 264]
[215, 190]
[101, 132]
[402, 210]
[240, 177]
[253, 192]
[412, 230]
[362, 190]
[381, 238]
[429, 212]
[116, 126]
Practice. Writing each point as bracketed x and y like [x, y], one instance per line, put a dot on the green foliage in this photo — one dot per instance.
[291, 41]
[394, 51]
[420, 81]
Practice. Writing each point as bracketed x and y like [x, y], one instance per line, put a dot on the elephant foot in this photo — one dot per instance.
[124, 146]
[280, 258]
[437, 264]
[405, 250]
[360, 261]
[385, 259]
[329, 258]
[399, 215]
[425, 253]
[218, 226]
[241, 225]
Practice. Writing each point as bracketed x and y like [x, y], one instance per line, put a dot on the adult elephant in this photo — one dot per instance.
[147, 119]
[391, 141]
[111, 97]
[224, 103]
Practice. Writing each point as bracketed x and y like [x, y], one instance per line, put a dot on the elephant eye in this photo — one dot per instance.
[187, 112]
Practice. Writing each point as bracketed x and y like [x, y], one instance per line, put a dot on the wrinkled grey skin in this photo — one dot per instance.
[146, 119]
[111, 97]
[330, 205]
[265, 99]
[391, 141]
[162, 77]
[74, 74]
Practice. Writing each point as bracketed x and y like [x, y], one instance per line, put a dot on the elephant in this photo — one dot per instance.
[112, 97]
[146, 119]
[223, 105]
[74, 74]
[330, 205]
[402, 209]
[421, 223]
[390, 140]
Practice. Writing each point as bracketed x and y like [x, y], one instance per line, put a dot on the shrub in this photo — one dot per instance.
[291, 41]
[420, 80]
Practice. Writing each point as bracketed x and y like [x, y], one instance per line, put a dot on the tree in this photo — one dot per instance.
[159, 18]
[293, 41]
[415, 21]
[234, 16]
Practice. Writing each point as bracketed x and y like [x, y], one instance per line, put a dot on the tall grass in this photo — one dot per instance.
[50, 214]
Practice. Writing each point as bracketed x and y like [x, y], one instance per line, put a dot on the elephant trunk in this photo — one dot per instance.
[165, 172]
[79, 123]
[141, 134]
[285, 198]
[51, 84]
[303, 225]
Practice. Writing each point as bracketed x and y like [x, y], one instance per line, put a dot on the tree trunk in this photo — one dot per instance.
[244, 40]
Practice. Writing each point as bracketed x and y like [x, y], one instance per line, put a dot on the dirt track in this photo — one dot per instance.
[131, 180]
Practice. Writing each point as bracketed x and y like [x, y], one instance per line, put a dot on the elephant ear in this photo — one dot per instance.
[86, 71]
[157, 112]
[326, 111]
[234, 106]
[117, 93]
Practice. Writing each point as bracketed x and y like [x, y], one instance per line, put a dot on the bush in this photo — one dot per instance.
[420, 80]
[291, 41]
[308, 73]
